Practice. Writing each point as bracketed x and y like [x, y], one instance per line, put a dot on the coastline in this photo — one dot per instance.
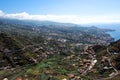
[114, 34]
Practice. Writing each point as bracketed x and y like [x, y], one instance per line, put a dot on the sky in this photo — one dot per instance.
[68, 11]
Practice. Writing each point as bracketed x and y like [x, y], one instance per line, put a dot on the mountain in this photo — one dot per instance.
[35, 22]
[43, 50]
[64, 30]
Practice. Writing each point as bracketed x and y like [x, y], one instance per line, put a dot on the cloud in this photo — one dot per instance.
[62, 18]
[1, 13]
[22, 15]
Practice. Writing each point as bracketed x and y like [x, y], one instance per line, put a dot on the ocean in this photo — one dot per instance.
[114, 26]
[115, 34]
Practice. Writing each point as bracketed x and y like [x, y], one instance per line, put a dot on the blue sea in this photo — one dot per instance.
[115, 34]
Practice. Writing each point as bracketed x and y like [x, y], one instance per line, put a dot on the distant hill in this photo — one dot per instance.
[36, 22]
[44, 27]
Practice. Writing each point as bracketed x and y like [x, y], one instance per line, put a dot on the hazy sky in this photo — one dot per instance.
[74, 11]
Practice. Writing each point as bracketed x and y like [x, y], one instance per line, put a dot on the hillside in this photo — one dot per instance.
[55, 51]
[11, 54]
[72, 66]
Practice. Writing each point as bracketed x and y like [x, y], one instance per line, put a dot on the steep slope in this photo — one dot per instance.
[11, 54]
[108, 65]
